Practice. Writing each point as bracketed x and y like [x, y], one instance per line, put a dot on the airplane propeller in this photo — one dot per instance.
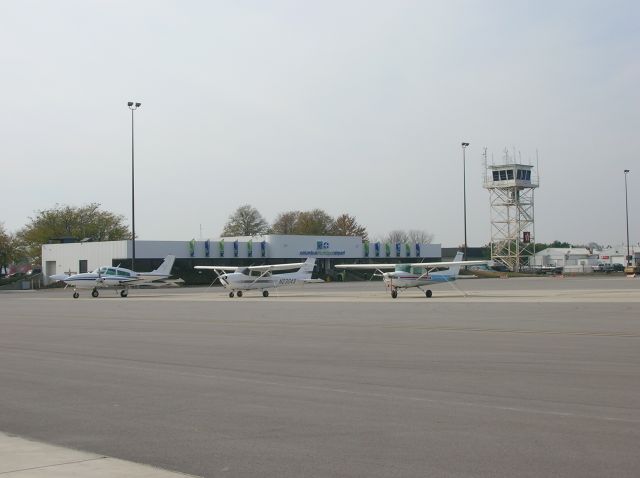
[217, 278]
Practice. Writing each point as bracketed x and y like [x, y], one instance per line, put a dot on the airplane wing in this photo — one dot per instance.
[365, 266]
[277, 267]
[217, 268]
[428, 265]
[162, 283]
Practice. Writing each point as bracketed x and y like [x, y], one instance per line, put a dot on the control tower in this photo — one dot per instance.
[511, 190]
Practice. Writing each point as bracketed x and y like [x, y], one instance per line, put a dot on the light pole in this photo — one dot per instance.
[626, 206]
[133, 106]
[464, 193]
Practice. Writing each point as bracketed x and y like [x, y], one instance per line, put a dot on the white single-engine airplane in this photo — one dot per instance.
[239, 279]
[117, 278]
[417, 274]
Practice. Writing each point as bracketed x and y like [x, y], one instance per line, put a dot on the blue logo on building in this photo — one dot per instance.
[322, 245]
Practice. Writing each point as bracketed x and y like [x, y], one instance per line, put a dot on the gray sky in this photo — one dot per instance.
[349, 106]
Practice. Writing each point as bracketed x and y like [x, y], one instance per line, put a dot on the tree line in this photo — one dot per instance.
[92, 223]
[247, 221]
[57, 223]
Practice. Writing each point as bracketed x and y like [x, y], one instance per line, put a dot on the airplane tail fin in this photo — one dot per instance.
[455, 270]
[166, 266]
[307, 268]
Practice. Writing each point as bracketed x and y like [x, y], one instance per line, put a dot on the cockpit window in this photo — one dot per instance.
[244, 271]
[111, 272]
[123, 273]
[403, 268]
[102, 270]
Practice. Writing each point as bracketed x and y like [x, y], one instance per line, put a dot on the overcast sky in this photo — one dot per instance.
[349, 106]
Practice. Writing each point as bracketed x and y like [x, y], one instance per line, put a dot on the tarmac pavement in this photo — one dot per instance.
[491, 378]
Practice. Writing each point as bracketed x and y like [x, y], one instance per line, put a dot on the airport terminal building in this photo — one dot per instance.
[78, 257]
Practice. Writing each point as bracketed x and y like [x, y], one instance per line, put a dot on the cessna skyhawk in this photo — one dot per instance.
[417, 274]
[239, 279]
[117, 278]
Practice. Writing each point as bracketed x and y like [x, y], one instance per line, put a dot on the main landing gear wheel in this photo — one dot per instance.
[428, 293]
[231, 294]
[239, 293]
[94, 293]
[394, 293]
[265, 293]
[123, 293]
[76, 295]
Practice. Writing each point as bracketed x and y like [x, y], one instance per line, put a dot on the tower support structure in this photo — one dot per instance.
[511, 198]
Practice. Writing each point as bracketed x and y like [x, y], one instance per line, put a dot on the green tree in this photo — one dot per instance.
[346, 225]
[10, 250]
[68, 221]
[559, 244]
[285, 223]
[245, 221]
[314, 223]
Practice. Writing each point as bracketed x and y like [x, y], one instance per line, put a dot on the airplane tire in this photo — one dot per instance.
[239, 293]
[428, 293]
[123, 293]
[94, 293]
[76, 295]
[231, 294]
[265, 293]
[394, 293]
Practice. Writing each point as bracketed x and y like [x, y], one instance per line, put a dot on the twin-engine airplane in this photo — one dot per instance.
[239, 279]
[117, 278]
[417, 274]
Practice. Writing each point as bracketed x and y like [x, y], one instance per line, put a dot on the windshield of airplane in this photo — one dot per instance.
[403, 267]
[243, 270]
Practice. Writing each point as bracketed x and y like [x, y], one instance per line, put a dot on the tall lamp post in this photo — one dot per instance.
[133, 106]
[626, 205]
[464, 193]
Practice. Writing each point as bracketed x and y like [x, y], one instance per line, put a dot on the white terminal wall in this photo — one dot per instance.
[63, 258]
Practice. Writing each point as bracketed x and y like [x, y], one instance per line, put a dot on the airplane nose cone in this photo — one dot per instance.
[58, 277]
